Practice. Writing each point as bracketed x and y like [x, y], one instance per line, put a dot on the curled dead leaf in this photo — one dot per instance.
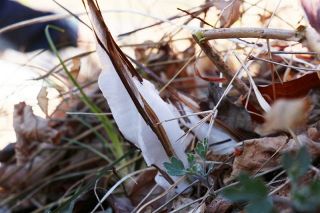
[230, 11]
[314, 134]
[43, 100]
[34, 136]
[30, 130]
[286, 114]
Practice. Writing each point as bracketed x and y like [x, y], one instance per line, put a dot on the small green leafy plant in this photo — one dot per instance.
[254, 192]
[296, 165]
[196, 168]
[304, 198]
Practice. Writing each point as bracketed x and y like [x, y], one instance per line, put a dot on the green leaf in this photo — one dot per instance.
[261, 206]
[307, 198]
[200, 36]
[202, 148]
[296, 165]
[175, 168]
[196, 169]
[191, 159]
[251, 190]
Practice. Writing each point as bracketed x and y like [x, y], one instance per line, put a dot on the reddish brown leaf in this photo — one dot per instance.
[291, 89]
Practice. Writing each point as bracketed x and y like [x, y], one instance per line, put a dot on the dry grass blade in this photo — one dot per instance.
[117, 184]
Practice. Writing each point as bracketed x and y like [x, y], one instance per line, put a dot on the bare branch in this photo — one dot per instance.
[214, 56]
[248, 32]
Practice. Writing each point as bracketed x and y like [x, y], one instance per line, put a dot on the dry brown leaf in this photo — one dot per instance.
[43, 100]
[76, 66]
[230, 11]
[181, 201]
[296, 88]
[87, 201]
[33, 135]
[30, 130]
[140, 188]
[14, 177]
[119, 204]
[285, 115]
[313, 134]
[259, 154]
[219, 205]
[7, 153]
[264, 18]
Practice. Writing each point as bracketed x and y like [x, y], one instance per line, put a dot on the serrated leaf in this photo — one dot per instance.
[43, 100]
[296, 165]
[202, 148]
[175, 168]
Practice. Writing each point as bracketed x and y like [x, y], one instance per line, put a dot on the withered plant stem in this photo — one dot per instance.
[214, 56]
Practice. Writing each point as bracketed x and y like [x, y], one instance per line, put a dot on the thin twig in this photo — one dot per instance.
[177, 73]
[196, 17]
[284, 65]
